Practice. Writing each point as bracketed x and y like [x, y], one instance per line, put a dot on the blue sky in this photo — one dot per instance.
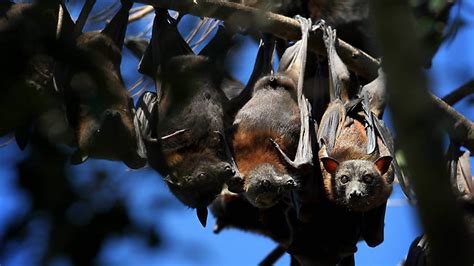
[185, 241]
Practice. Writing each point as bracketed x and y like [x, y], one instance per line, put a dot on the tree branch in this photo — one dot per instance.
[460, 93]
[140, 13]
[283, 27]
[460, 128]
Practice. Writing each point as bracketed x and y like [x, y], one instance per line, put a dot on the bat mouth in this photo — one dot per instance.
[266, 200]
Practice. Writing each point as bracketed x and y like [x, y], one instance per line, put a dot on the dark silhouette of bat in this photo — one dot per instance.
[27, 39]
[233, 210]
[356, 162]
[98, 107]
[271, 124]
[183, 123]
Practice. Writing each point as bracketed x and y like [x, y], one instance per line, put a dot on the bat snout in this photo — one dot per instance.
[229, 170]
[290, 184]
[355, 194]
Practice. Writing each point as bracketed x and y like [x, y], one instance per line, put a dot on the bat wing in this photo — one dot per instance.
[147, 118]
[460, 170]
[373, 225]
[339, 76]
[147, 115]
[216, 50]
[262, 67]
[330, 125]
[117, 27]
[166, 42]
[417, 254]
[375, 93]
[292, 64]
[334, 117]
[369, 125]
[387, 140]
[82, 19]
[137, 46]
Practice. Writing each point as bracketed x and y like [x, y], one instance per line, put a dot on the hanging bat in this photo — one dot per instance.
[329, 239]
[183, 123]
[27, 35]
[98, 107]
[273, 123]
[233, 210]
[355, 161]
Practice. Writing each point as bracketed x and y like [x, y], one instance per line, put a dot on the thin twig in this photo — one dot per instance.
[139, 13]
[459, 94]
[273, 256]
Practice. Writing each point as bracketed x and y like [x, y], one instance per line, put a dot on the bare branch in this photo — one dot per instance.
[283, 27]
[140, 13]
[81, 21]
[459, 94]
[273, 256]
[460, 128]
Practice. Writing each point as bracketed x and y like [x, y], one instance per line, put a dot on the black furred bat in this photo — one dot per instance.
[274, 122]
[356, 163]
[234, 211]
[29, 33]
[98, 107]
[27, 38]
[183, 124]
[329, 239]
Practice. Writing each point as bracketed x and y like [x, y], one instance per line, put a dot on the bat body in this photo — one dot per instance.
[271, 113]
[234, 211]
[352, 177]
[196, 157]
[355, 160]
[183, 123]
[27, 36]
[98, 107]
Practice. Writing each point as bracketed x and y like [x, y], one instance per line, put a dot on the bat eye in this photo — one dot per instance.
[368, 179]
[344, 179]
[201, 176]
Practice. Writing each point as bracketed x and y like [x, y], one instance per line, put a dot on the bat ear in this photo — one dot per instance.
[117, 27]
[383, 163]
[202, 215]
[78, 157]
[330, 164]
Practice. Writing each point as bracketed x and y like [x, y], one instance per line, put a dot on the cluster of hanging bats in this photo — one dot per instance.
[310, 167]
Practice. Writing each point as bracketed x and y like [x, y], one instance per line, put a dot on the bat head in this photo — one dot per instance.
[265, 185]
[99, 106]
[359, 184]
[198, 173]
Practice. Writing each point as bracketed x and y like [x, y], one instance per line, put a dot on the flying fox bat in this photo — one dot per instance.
[183, 123]
[27, 39]
[274, 122]
[354, 159]
[98, 107]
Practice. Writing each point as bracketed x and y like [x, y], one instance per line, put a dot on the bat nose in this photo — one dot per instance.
[229, 170]
[112, 114]
[355, 194]
[290, 183]
[265, 185]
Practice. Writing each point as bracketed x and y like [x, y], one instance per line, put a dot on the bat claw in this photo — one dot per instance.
[282, 153]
